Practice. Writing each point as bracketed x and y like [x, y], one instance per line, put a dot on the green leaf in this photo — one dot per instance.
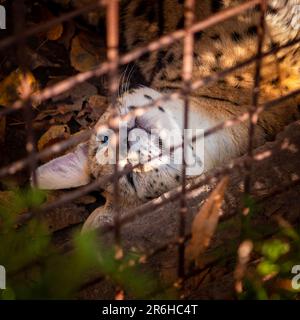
[274, 249]
[266, 268]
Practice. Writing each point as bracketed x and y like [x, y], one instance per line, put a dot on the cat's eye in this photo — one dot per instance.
[102, 139]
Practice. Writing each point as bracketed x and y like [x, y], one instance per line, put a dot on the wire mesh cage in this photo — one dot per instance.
[111, 68]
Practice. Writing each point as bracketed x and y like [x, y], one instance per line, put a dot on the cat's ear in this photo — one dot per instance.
[68, 171]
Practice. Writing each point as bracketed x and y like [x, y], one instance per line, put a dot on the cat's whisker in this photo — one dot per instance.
[131, 72]
[123, 81]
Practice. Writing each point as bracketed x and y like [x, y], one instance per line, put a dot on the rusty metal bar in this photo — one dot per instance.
[19, 14]
[112, 34]
[187, 70]
[256, 94]
[112, 25]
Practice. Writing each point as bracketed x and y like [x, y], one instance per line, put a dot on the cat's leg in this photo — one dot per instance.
[100, 217]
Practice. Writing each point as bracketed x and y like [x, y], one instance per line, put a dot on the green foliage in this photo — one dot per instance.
[274, 249]
[271, 278]
[37, 270]
[247, 231]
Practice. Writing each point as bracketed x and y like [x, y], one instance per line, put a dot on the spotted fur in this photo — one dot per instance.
[218, 48]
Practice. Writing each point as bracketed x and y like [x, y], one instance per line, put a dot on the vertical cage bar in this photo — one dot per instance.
[112, 29]
[19, 12]
[187, 69]
[255, 96]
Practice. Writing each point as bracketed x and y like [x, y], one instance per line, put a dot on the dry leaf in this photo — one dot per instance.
[81, 59]
[56, 32]
[85, 55]
[66, 106]
[98, 103]
[93, 44]
[92, 111]
[61, 119]
[206, 221]
[11, 89]
[53, 135]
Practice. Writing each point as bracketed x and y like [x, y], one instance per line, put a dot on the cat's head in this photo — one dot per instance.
[142, 139]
